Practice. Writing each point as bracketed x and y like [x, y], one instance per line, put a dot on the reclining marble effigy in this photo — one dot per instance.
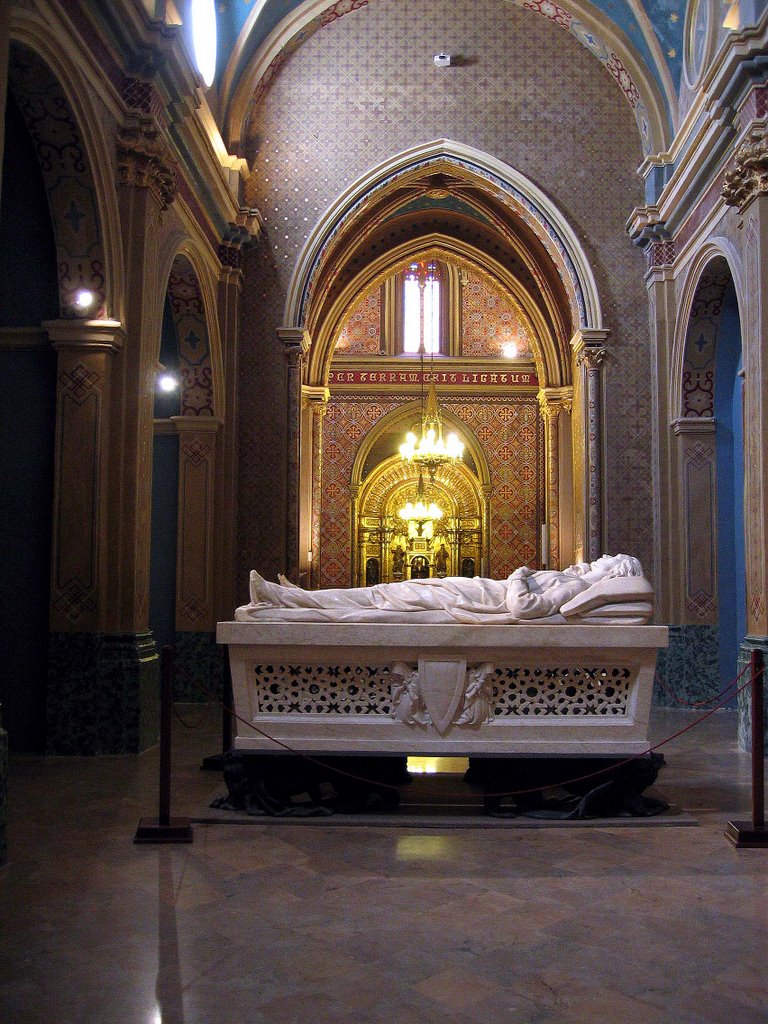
[545, 661]
[611, 589]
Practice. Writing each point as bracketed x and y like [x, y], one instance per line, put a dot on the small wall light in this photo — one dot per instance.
[167, 382]
[509, 349]
[84, 299]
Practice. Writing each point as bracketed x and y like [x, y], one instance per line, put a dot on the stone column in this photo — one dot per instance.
[553, 401]
[485, 569]
[195, 563]
[229, 590]
[316, 403]
[98, 686]
[296, 341]
[746, 187]
[590, 351]
[650, 234]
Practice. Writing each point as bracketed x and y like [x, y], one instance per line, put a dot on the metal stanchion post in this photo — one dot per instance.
[215, 762]
[745, 833]
[164, 828]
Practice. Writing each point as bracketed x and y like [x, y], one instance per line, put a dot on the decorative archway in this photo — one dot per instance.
[533, 254]
[708, 436]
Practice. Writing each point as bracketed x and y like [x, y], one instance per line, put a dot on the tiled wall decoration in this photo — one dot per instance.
[192, 337]
[365, 89]
[361, 334]
[509, 431]
[489, 319]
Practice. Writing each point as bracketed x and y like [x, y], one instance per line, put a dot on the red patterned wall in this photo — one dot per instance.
[511, 437]
[488, 319]
[361, 334]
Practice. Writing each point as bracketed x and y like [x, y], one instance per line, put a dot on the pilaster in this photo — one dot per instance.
[80, 569]
[590, 352]
[746, 186]
[697, 522]
[552, 403]
[316, 404]
[296, 342]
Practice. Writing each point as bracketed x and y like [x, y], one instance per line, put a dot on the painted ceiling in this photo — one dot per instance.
[653, 27]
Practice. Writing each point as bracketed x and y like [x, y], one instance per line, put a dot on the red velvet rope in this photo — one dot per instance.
[700, 703]
[512, 792]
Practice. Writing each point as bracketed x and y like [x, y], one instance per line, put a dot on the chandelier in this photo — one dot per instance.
[420, 515]
[430, 449]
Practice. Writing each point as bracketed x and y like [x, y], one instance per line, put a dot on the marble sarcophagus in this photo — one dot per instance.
[362, 688]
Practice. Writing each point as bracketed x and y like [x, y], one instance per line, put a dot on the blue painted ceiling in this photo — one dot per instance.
[665, 18]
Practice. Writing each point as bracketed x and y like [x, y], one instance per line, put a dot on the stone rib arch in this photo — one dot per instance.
[552, 360]
[527, 201]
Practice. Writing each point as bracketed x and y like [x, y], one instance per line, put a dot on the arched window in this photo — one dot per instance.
[421, 308]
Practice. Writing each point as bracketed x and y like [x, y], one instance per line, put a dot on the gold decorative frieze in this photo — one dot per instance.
[749, 175]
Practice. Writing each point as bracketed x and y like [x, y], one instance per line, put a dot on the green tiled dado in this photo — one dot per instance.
[103, 693]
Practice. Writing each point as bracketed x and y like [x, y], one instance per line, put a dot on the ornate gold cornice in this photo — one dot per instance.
[144, 160]
[553, 401]
[749, 175]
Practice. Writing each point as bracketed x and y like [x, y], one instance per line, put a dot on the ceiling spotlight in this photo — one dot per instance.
[167, 382]
[84, 299]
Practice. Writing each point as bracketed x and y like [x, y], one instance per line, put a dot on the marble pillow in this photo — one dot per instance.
[617, 590]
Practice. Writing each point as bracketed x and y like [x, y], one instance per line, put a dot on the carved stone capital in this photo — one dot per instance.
[296, 342]
[144, 160]
[591, 356]
[316, 398]
[553, 401]
[749, 176]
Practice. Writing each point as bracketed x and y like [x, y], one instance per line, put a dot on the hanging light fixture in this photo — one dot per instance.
[430, 449]
[421, 515]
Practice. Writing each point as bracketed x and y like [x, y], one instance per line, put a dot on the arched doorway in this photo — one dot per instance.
[712, 463]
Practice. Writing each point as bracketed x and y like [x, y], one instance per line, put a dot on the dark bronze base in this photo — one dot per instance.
[744, 835]
[178, 830]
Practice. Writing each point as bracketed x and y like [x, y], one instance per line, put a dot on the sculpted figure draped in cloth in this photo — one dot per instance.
[609, 590]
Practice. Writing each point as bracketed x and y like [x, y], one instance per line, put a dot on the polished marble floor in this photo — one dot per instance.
[272, 922]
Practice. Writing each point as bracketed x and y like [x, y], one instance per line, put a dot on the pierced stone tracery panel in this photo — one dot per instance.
[364, 690]
[589, 690]
[323, 689]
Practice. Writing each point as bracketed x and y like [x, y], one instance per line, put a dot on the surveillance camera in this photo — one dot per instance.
[442, 60]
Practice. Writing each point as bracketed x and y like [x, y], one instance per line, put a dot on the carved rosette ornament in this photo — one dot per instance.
[144, 160]
[749, 176]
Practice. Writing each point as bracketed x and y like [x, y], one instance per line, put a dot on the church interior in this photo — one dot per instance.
[258, 260]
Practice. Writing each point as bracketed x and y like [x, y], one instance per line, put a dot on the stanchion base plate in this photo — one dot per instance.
[744, 835]
[178, 830]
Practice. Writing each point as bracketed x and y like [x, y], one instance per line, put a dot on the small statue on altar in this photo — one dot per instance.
[441, 561]
[398, 560]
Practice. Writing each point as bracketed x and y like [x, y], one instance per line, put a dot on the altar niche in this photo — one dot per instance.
[422, 548]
